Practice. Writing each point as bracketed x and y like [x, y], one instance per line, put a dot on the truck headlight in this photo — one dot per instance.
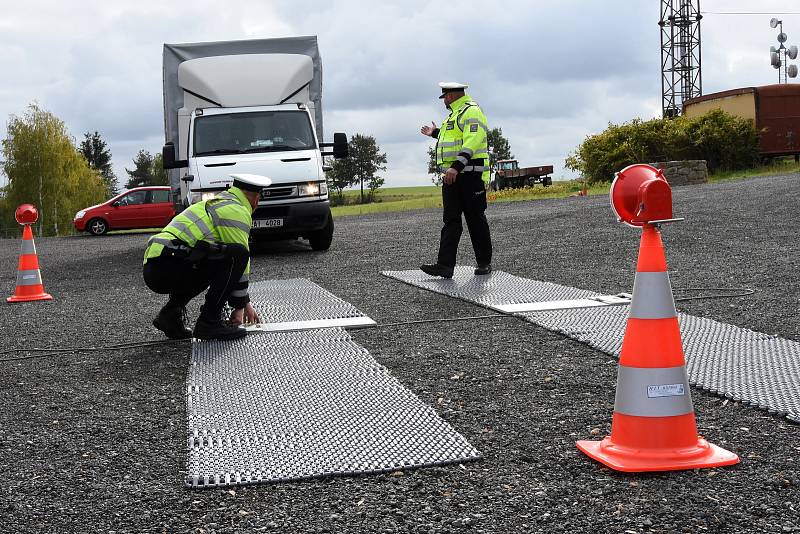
[196, 197]
[80, 214]
[311, 189]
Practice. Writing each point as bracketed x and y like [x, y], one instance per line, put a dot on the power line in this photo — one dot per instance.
[750, 12]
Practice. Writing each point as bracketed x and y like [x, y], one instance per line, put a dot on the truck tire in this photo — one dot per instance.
[321, 239]
[547, 181]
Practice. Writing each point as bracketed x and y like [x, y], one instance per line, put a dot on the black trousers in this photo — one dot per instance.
[174, 275]
[468, 196]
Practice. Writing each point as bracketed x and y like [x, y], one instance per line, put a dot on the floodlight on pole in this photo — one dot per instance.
[779, 57]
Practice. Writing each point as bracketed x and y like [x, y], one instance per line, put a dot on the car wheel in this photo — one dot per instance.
[97, 227]
[321, 239]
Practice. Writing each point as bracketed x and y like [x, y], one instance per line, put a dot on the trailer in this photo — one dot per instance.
[251, 107]
[775, 109]
[507, 174]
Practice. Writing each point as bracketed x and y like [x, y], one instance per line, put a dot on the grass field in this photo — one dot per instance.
[411, 198]
[782, 166]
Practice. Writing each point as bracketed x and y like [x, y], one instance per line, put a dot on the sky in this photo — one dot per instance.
[548, 72]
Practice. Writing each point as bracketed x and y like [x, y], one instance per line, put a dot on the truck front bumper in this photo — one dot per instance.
[297, 220]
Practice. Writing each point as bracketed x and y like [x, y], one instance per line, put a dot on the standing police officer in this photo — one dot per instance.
[462, 153]
[206, 246]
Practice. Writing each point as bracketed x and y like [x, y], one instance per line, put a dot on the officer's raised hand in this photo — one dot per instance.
[428, 130]
[246, 315]
[450, 176]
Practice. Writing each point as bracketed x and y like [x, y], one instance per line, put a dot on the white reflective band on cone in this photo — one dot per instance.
[652, 296]
[30, 277]
[652, 392]
[28, 247]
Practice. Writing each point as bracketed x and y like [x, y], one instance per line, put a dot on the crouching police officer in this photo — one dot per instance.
[206, 246]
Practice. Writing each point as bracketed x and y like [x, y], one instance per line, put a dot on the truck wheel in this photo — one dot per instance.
[97, 226]
[321, 239]
[547, 181]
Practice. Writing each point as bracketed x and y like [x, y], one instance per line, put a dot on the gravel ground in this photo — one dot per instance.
[95, 443]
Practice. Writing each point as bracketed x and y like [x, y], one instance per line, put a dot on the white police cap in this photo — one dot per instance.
[250, 182]
[449, 87]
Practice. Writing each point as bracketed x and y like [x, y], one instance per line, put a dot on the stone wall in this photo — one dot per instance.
[687, 172]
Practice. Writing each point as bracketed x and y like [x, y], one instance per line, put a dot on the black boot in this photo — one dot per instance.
[483, 269]
[217, 328]
[172, 321]
[437, 269]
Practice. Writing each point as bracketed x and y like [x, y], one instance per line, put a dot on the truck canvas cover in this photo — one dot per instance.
[175, 54]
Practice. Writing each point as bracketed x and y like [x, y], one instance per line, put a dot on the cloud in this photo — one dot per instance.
[548, 72]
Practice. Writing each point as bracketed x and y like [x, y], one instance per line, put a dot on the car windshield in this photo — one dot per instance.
[261, 131]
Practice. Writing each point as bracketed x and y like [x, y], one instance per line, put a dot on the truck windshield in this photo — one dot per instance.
[260, 131]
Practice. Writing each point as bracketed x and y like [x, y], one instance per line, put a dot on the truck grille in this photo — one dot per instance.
[278, 192]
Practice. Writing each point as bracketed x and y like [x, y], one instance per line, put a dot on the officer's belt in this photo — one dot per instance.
[468, 168]
[172, 245]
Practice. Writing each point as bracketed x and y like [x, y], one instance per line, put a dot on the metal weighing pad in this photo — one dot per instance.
[737, 363]
[285, 406]
[300, 304]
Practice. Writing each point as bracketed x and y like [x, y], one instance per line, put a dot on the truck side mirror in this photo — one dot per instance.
[168, 157]
[339, 145]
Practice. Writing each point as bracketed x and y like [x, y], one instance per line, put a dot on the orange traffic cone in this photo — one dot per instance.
[653, 427]
[29, 279]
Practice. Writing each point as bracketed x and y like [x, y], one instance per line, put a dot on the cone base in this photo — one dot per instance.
[29, 298]
[631, 460]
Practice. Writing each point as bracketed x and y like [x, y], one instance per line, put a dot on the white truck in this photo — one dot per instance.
[251, 107]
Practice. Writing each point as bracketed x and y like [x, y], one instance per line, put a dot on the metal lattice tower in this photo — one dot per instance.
[681, 77]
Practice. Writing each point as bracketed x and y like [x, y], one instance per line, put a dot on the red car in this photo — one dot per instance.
[141, 207]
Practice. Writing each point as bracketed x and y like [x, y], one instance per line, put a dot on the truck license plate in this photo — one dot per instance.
[267, 223]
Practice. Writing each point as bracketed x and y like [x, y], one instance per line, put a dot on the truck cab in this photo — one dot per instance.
[253, 113]
[274, 141]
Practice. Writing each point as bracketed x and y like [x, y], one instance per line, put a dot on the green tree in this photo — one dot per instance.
[374, 183]
[148, 170]
[340, 176]
[98, 155]
[160, 176]
[499, 147]
[433, 168]
[367, 160]
[44, 168]
[723, 140]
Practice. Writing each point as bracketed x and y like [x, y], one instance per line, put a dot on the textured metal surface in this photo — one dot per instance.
[737, 363]
[497, 288]
[281, 406]
[298, 299]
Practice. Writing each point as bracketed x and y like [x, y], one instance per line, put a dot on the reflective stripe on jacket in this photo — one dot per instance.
[226, 218]
[463, 139]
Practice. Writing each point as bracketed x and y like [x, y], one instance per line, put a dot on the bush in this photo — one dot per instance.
[725, 141]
